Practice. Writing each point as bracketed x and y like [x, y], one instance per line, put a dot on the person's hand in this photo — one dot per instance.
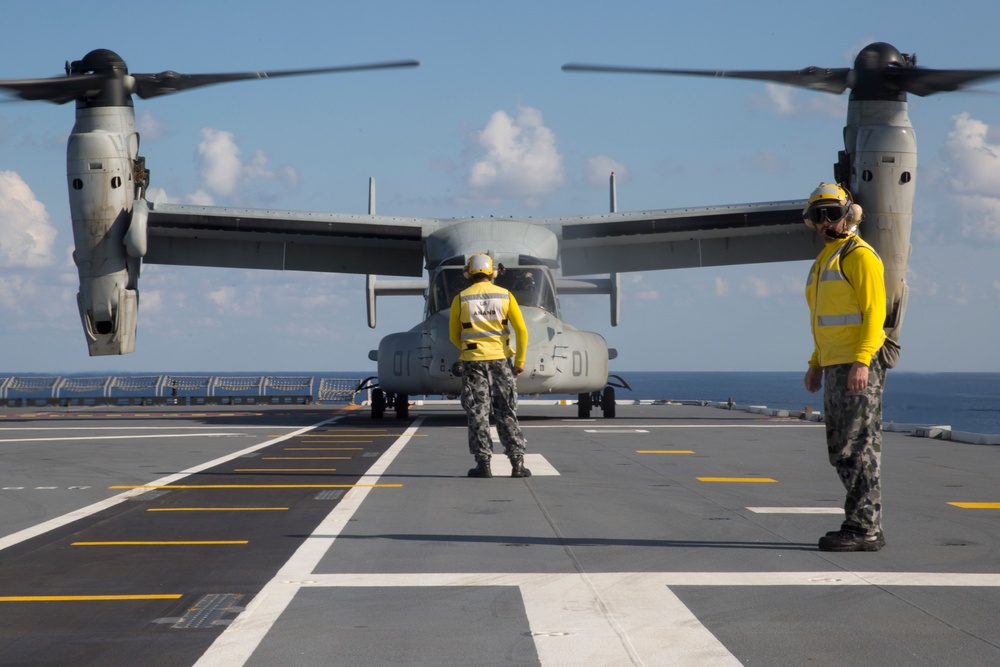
[814, 379]
[857, 378]
[518, 370]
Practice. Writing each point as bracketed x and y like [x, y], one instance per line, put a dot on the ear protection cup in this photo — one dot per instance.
[854, 214]
[836, 193]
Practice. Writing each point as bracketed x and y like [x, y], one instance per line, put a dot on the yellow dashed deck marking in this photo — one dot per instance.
[263, 486]
[160, 544]
[217, 509]
[977, 506]
[664, 451]
[736, 479]
[86, 598]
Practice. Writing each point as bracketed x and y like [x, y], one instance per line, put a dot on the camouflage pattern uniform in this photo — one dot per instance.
[481, 381]
[854, 442]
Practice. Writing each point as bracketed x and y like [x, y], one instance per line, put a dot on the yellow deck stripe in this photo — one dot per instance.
[977, 506]
[342, 441]
[736, 479]
[324, 449]
[217, 509]
[261, 486]
[286, 470]
[327, 435]
[86, 598]
[158, 544]
[306, 458]
[336, 436]
[664, 451]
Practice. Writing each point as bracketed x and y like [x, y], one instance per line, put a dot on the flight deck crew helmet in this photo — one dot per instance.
[832, 202]
[479, 264]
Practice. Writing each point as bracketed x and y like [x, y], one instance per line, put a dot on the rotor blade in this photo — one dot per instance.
[58, 90]
[814, 78]
[164, 83]
[923, 82]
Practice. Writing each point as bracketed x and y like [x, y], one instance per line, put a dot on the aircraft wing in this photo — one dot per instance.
[685, 238]
[284, 240]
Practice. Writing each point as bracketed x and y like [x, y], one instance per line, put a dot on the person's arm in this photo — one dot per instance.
[865, 273]
[516, 322]
[455, 322]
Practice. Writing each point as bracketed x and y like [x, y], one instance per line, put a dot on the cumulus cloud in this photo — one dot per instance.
[26, 235]
[225, 176]
[521, 159]
[973, 177]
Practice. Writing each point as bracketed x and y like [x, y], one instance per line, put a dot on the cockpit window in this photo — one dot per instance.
[530, 286]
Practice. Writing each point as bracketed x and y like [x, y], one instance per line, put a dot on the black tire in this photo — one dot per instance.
[402, 406]
[608, 405]
[378, 403]
[583, 406]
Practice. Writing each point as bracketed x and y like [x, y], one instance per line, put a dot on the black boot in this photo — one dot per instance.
[482, 469]
[517, 468]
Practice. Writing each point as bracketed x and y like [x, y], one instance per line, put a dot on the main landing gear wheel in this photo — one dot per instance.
[402, 406]
[583, 406]
[378, 403]
[608, 404]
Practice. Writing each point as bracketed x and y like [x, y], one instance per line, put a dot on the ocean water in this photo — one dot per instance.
[964, 401]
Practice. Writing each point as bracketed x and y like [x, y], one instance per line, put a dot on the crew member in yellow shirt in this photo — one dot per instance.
[482, 317]
[846, 296]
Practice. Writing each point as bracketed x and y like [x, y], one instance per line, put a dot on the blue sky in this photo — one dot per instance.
[489, 97]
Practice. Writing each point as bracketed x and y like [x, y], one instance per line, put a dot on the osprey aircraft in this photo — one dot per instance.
[116, 228]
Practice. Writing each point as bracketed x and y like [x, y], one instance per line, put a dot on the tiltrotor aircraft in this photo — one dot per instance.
[115, 228]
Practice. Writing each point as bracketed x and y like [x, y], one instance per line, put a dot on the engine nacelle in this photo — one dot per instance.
[99, 165]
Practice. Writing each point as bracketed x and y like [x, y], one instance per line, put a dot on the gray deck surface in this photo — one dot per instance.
[312, 536]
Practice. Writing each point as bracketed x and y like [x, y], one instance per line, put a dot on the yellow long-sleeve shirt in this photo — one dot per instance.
[482, 316]
[846, 296]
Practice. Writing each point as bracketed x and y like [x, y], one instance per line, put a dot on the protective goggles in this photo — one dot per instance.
[828, 212]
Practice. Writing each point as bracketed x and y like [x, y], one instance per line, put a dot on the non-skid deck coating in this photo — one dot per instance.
[295, 536]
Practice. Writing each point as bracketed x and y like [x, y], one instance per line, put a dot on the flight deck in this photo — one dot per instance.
[303, 535]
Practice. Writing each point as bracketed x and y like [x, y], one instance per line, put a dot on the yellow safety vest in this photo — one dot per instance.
[846, 296]
[481, 318]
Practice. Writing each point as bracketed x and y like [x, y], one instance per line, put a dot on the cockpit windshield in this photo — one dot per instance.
[530, 286]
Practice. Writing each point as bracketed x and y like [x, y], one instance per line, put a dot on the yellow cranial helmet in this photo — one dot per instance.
[832, 202]
[479, 264]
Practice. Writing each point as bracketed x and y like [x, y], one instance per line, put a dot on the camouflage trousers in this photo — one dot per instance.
[854, 442]
[487, 384]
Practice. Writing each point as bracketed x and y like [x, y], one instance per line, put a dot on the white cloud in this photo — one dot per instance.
[521, 158]
[973, 177]
[224, 175]
[721, 286]
[26, 235]
[600, 168]
[791, 101]
[780, 99]
[149, 127]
